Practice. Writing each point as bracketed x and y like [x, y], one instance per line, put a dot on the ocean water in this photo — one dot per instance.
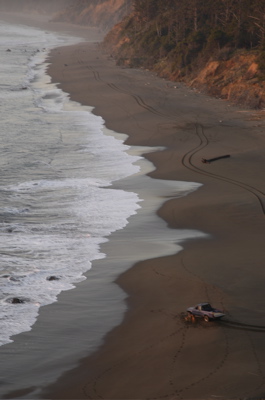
[57, 166]
[67, 185]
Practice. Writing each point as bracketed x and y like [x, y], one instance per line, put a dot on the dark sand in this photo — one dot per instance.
[154, 354]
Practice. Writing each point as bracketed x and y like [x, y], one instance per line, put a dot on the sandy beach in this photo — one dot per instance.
[154, 353]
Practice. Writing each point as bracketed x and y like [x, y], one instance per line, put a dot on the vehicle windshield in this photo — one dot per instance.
[207, 307]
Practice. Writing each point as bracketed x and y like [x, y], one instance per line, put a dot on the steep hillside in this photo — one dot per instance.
[216, 46]
[237, 79]
[101, 13]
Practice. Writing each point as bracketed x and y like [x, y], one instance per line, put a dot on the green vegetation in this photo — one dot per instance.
[187, 33]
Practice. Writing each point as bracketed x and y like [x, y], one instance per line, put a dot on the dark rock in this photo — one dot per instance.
[52, 278]
[16, 300]
[16, 278]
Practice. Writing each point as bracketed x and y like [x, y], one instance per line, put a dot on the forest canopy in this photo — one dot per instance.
[188, 33]
[240, 23]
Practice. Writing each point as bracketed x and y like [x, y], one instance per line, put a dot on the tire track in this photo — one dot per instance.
[178, 393]
[227, 323]
[206, 287]
[139, 100]
[175, 359]
[196, 276]
[212, 372]
[187, 162]
[242, 326]
[260, 372]
[95, 382]
[187, 159]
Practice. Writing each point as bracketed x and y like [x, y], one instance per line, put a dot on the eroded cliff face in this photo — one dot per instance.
[236, 78]
[101, 13]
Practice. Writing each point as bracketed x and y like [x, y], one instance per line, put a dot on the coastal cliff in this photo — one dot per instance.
[235, 76]
[236, 79]
[101, 13]
[217, 48]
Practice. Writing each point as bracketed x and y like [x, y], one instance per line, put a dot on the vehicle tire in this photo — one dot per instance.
[206, 318]
[188, 316]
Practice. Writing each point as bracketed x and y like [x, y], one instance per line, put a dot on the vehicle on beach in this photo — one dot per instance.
[205, 311]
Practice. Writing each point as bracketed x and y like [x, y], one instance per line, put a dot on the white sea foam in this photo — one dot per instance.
[57, 207]
[57, 204]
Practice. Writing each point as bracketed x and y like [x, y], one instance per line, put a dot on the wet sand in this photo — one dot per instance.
[154, 353]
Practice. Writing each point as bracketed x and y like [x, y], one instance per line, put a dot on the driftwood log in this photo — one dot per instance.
[209, 160]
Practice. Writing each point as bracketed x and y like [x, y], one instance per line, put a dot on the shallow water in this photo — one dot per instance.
[56, 206]
[67, 184]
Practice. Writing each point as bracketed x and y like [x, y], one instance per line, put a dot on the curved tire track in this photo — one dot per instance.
[179, 392]
[187, 158]
[187, 162]
[260, 372]
[214, 371]
[94, 383]
[242, 326]
[137, 98]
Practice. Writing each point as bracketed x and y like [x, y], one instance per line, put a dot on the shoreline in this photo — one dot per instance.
[153, 354]
[85, 298]
[139, 359]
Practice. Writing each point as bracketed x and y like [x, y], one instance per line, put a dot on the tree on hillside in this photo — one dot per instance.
[238, 22]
